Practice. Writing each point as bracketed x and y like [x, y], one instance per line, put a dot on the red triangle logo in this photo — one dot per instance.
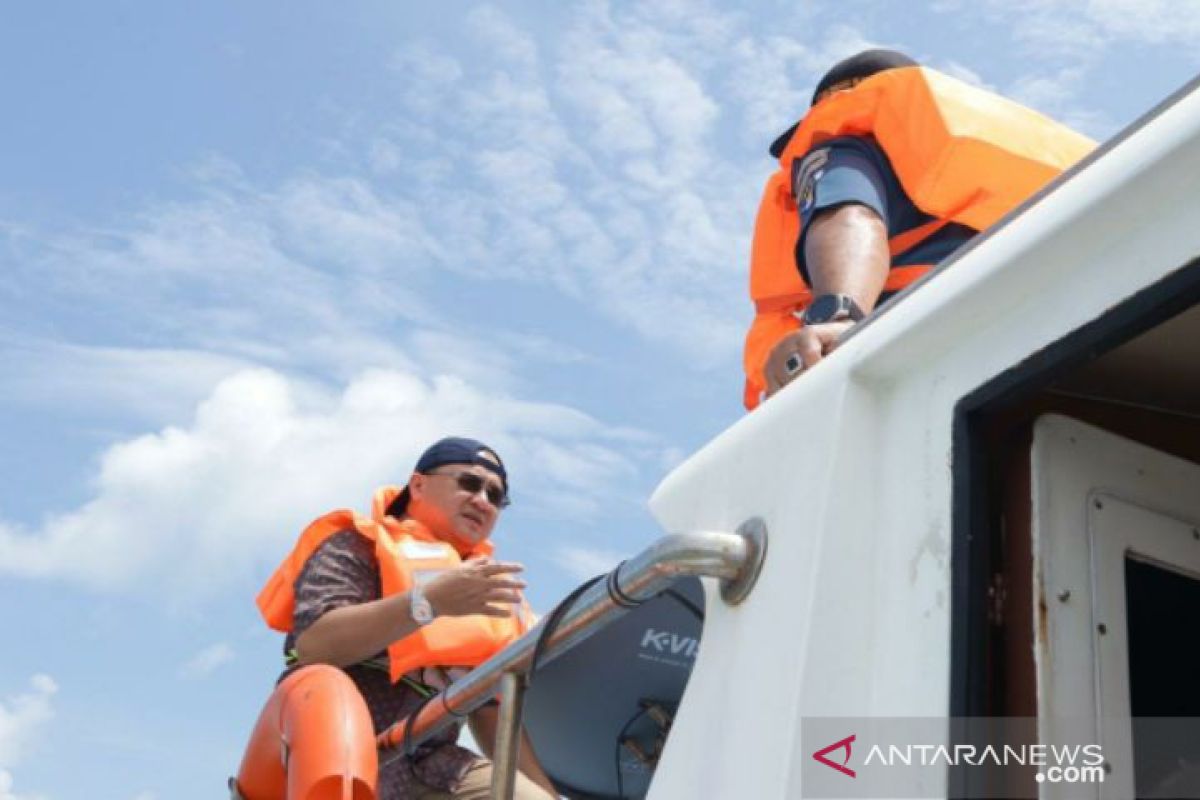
[839, 745]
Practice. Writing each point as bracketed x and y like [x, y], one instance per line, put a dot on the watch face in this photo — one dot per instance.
[420, 607]
[822, 309]
[422, 611]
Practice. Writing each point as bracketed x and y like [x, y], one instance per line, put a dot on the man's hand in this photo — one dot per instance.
[479, 586]
[809, 345]
[846, 250]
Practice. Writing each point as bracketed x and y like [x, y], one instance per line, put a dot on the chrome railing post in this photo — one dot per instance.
[508, 736]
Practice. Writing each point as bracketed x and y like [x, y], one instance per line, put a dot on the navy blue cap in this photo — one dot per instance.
[862, 65]
[856, 67]
[452, 450]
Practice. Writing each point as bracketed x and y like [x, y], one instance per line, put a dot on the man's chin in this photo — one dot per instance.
[470, 531]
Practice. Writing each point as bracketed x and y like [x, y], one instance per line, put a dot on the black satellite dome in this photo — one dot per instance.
[597, 715]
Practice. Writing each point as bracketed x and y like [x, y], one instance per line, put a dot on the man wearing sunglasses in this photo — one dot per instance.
[381, 612]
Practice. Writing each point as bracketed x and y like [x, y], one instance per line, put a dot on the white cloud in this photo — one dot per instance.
[343, 222]
[6, 788]
[318, 273]
[1150, 21]
[586, 562]
[965, 74]
[1082, 29]
[188, 510]
[384, 156]
[763, 77]
[1049, 28]
[505, 40]
[155, 384]
[599, 171]
[1055, 93]
[207, 661]
[640, 91]
[1063, 42]
[426, 73]
[541, 348]
[22, 716]
[494, 360]
[593, 167]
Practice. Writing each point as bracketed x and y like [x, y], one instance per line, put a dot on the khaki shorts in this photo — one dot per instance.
[477, 785]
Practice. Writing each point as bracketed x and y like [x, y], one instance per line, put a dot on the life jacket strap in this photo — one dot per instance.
[783, 302]
[899, 277]
[903, 242]
[291, 659]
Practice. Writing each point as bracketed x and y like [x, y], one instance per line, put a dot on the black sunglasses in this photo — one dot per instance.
[472, 484]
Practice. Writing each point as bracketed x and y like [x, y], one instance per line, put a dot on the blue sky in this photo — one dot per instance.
[253, 257]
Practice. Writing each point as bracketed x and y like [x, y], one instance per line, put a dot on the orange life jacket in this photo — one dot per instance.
[408, 554]
[961, 154]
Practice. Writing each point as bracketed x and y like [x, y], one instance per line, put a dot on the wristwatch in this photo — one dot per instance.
[832, 308]
[420, 607]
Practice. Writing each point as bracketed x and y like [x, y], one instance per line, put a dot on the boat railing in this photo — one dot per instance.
[733, 558]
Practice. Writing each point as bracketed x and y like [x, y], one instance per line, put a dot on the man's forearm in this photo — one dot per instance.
[351, 634]
[846, 252]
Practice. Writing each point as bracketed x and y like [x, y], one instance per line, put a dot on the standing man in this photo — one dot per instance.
[894, 167]
[381, 612]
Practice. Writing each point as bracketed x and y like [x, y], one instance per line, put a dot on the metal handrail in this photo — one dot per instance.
[735, 558]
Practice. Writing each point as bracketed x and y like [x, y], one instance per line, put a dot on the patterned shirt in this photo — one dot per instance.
[344, 571]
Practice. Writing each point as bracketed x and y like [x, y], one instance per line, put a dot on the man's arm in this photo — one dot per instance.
[483, 722]
[846, 250]
[351, 633]
[847, 253]
[846, 192]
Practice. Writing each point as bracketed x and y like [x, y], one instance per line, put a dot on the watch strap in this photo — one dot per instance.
[419, 606]
[832, 308]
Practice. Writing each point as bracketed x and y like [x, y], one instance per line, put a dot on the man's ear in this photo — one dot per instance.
[416, 485]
